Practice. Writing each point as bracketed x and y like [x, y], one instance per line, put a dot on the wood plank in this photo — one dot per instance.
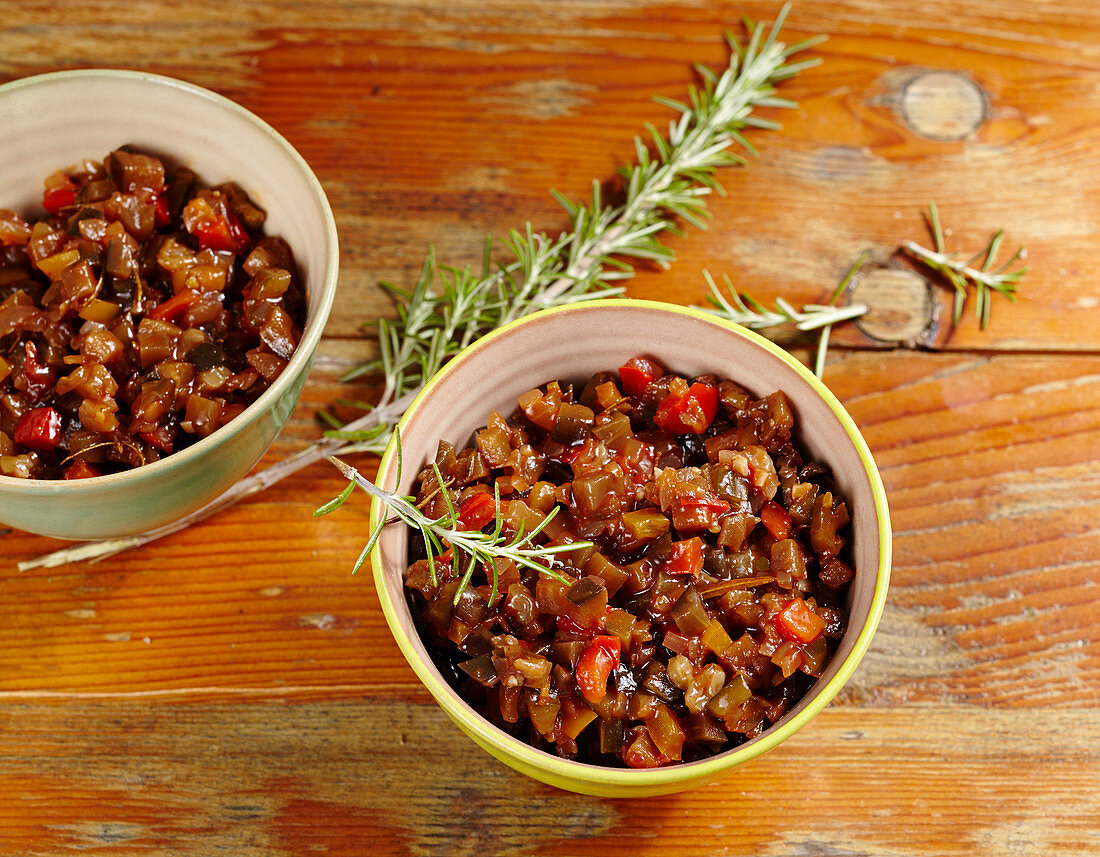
[366, 776]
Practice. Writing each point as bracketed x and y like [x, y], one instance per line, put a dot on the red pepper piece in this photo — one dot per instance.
[215, 226]
[705, 505]
[172, 310]
[56, 198]
[163, 437]
[776, 519]
[81, 469]
[595, 664]
[636, 375]
[215, 235]
[161, 211]
[686, 557]
[476, 511]
[38, 429]
[240, 236]
[689, 413]
[798, 623]
[643, 753]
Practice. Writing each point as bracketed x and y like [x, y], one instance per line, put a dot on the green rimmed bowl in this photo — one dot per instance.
[574, 342]
[52, 121]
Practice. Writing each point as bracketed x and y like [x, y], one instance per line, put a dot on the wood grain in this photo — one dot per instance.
[234, 690]
[146, 777]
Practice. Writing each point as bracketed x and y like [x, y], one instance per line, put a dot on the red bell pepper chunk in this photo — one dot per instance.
[172, 310]
[686, 557]
[215, 226]
[798, 623]
[689, 413]
[595, 664]
[81, 469]
[708, 503]
[776, 519]
[476, 511]
[38, 429]
[643, 753]
[163, 437]
[161, 211]
[240, 236]
[636, 375]
[215, 235]
[56, 198]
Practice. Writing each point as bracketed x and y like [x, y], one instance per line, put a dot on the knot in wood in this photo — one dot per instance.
[943, 105]
[900, 306]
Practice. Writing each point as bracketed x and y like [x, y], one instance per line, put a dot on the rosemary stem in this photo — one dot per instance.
[951, 262]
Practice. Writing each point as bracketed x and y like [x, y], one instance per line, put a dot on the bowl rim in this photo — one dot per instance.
[570, 770]
[311, 334]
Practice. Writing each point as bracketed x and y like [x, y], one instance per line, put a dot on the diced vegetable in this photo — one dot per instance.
[666, 732]
[80, 469]
[476, 511]
[690, 412]
[214, 225]
[775, 518]
[643, 754]
[174, 308]
[645, 524]
[690, 613]
[716, 638]
[575, 719]
[38, 429]
[686, 557]
[481, 670]
[55, 198]
[595, 664]
[637, 374]
[796, 621]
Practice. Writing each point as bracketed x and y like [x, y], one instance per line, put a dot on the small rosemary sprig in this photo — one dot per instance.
[742, 308]
[963, 275]
[470, 549]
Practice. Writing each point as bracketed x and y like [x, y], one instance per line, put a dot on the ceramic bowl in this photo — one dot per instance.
[53, 121]
[573, 343]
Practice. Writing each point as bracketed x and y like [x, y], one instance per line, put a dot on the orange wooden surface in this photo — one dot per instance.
[234, 690]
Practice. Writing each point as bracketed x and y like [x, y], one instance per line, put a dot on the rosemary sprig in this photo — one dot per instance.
[449, 308]
[471, 549]
[962, 275]
[742, 308]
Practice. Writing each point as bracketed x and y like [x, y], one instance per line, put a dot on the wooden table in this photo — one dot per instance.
[234, 690]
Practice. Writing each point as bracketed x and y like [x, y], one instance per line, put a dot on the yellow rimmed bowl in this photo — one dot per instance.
[574, 342]
[53, 121]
